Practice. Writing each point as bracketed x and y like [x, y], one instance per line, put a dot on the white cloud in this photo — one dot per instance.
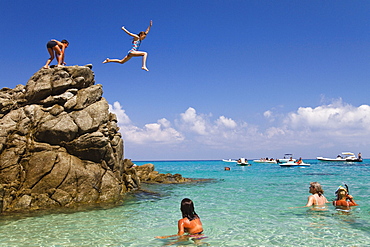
[274, 132]
[267, 114]
[190, 120]
[160, 132]
[326, 126]
[201, 128]
[336, 117]
[226, 122]
[122, 118]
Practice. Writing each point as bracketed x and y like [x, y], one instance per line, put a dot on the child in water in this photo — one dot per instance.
[137, 38]
[344, 200]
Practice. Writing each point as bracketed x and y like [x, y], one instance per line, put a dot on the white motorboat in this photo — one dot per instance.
[299, 163]
[229, 160]
[268, 161]
[242, 162]
[287, 158]
[345, 157]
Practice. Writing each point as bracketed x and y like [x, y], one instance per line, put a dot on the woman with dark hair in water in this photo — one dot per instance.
[190, 222]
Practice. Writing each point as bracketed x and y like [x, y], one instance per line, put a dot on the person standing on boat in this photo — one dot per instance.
[344, 200]
[317, 198]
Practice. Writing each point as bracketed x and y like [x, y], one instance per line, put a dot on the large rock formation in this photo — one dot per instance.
[59, 145]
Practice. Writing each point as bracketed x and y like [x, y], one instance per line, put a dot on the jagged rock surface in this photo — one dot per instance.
[59, 145]
[147, 174]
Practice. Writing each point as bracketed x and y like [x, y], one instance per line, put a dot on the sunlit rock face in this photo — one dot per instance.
[59, 144]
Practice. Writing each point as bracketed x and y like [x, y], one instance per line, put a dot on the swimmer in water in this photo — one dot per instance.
[137, 39]
[344, 200]
[190, 222]
[317, 198]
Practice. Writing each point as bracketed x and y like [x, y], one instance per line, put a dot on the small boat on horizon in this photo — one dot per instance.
[287, 158]
[344, 157]
[242, 162]
[299, 163]
[268, 161]
[229, 160]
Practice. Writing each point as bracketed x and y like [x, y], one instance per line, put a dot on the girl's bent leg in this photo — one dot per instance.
[144, 61]
[51, 53]
[121, 61]
[144, 55]
[58, 54]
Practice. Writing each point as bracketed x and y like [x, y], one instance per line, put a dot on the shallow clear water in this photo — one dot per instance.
[246, 206]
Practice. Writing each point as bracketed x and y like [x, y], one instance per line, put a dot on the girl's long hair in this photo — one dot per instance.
[187, 209]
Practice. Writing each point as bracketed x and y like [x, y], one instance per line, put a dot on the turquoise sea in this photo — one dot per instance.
[246, 206]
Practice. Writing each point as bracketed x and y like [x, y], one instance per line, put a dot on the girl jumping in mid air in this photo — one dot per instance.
[134, 50]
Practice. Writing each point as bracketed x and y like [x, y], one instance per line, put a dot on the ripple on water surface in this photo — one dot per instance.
[246, 206]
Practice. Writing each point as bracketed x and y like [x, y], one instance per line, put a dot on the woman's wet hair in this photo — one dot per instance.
[187, 209]
[317, 188]
[142, 33]
[64, 41]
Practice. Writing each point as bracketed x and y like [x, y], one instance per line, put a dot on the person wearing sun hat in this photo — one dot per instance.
[344, 200]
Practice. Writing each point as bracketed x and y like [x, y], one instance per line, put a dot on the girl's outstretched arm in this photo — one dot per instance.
[131, 34]
[148, 29]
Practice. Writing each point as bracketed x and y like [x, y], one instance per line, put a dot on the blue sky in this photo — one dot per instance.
[227, 79]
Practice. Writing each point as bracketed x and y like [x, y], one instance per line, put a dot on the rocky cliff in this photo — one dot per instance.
[59, 145]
